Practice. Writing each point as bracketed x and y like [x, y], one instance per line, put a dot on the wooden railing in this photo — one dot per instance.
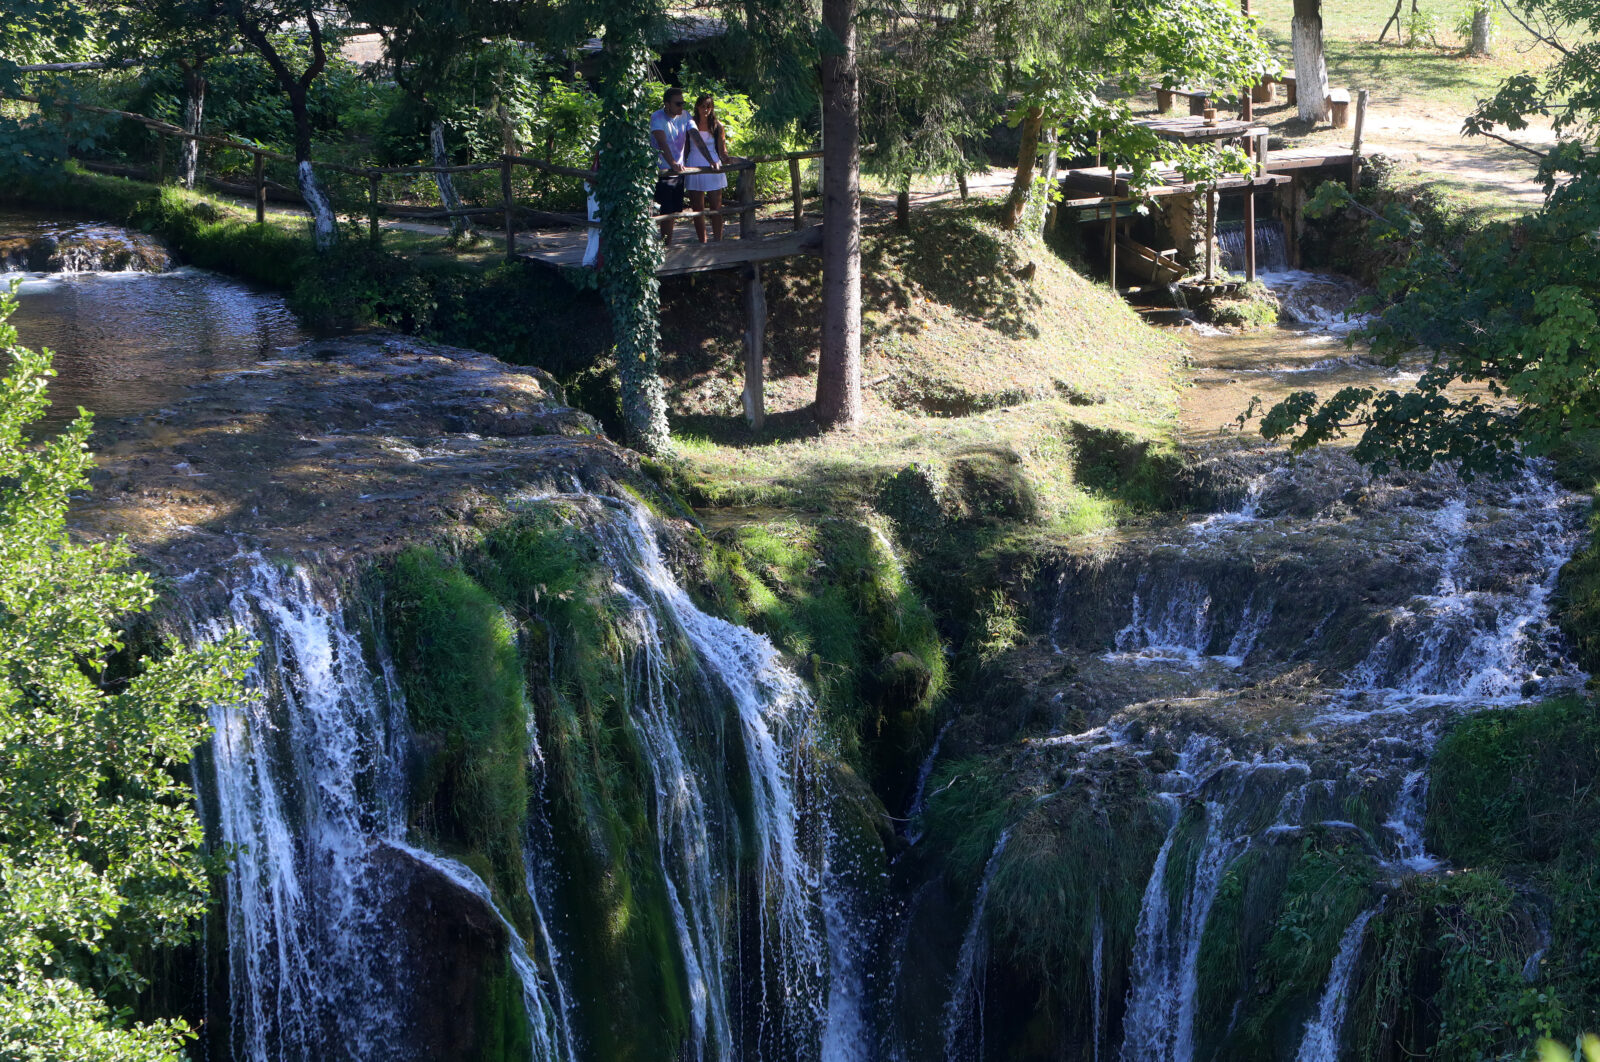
[508, 208]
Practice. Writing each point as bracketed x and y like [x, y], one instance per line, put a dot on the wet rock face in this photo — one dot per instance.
[458, 948]
[347, 447]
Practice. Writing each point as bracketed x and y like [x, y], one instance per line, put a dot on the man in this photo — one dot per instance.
[669, 128]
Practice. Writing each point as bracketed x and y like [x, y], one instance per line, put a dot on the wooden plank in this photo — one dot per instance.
[755, 332]
[797, 196]
[510, 206]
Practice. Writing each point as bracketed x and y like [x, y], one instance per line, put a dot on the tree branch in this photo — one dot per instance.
[1540, 37]
[1512, 143]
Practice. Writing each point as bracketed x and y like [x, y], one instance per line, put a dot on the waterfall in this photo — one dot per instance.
[1405, 822]
[310, 800]
[795, 845]
[963, 1013]
[1272, 251]
[1097, 994]
[919, 797]
[1321, 1041]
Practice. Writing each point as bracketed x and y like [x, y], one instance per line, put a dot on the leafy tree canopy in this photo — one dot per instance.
[99, 840]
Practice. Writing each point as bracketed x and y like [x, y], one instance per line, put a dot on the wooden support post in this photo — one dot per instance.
[1111, 241]
[374, 233]
[1355, 148]
[1198, 102]
[797, 194]
[261, 188]
[161, 158]
[755, 333]
[1211, 233]
[510, 207]
[747, 200]
[1163, 100]
[1250, 233]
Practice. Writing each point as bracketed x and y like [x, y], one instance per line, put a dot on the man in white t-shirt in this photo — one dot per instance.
[669, 129]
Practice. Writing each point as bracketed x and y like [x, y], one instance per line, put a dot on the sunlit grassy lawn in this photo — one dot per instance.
[1434, 74]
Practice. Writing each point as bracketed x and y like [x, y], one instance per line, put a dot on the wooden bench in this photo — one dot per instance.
[1290, 96]
[1264, 91]
[1339, 108]
[1198, 99]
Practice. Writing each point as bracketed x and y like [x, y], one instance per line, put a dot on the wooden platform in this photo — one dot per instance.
[1192, 129]
[684, 254]
[1308, 158]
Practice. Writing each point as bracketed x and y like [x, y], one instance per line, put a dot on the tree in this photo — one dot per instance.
[1509, 318]
[260, 23]
[98, 838]
[839, 363]
[1310, 68]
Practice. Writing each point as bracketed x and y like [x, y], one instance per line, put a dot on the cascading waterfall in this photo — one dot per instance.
[1472, 639]
[1321, 1041]
[1097, 993]
[310, 797]
[807, 942]
[963, 1013]
[1272, 250]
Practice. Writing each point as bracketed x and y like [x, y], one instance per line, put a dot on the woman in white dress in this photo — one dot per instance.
[707, 148]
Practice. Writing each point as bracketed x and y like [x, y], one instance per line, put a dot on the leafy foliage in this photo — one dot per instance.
[98, 837]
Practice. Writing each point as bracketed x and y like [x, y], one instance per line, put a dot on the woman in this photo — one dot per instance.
[707, 149]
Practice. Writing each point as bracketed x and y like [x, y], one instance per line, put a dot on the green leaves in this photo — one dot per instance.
[98, 838]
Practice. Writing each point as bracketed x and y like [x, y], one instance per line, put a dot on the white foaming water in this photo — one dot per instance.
[1321, 1040]
[1405, 821]
[1175, 629]
[806, 942]
[963, 1012]
[1097, 996]
[684, 845]
[1319, 301]
[310, 795]
[1475, 644]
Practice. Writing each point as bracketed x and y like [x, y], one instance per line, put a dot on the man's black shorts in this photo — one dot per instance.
[669, 193]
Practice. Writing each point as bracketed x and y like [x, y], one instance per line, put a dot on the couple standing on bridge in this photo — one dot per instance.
[698, 141]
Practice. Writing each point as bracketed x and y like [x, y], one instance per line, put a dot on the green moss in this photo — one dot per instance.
[1577, 604]
[456, 654]
[1515, 786]
[632, 992]
[1274, 930]
[833, 594]
[502, 1019]
[1085, 851]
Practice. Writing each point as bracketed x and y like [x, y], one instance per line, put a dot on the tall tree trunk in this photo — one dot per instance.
[324, 225]
[1038, 208]
[624, 184]
[194, 109]
[1310, 70]
[839, 369]
[1027, 155]
[459, 226]
[1481, 29]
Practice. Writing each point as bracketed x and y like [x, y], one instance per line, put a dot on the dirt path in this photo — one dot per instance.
[1433, 143]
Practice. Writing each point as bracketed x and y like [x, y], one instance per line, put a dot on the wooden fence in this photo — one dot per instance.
[508, 209]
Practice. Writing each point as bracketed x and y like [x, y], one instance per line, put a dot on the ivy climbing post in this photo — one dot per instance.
[624, 185]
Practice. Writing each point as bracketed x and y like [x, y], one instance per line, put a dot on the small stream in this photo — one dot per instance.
[128, 339]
